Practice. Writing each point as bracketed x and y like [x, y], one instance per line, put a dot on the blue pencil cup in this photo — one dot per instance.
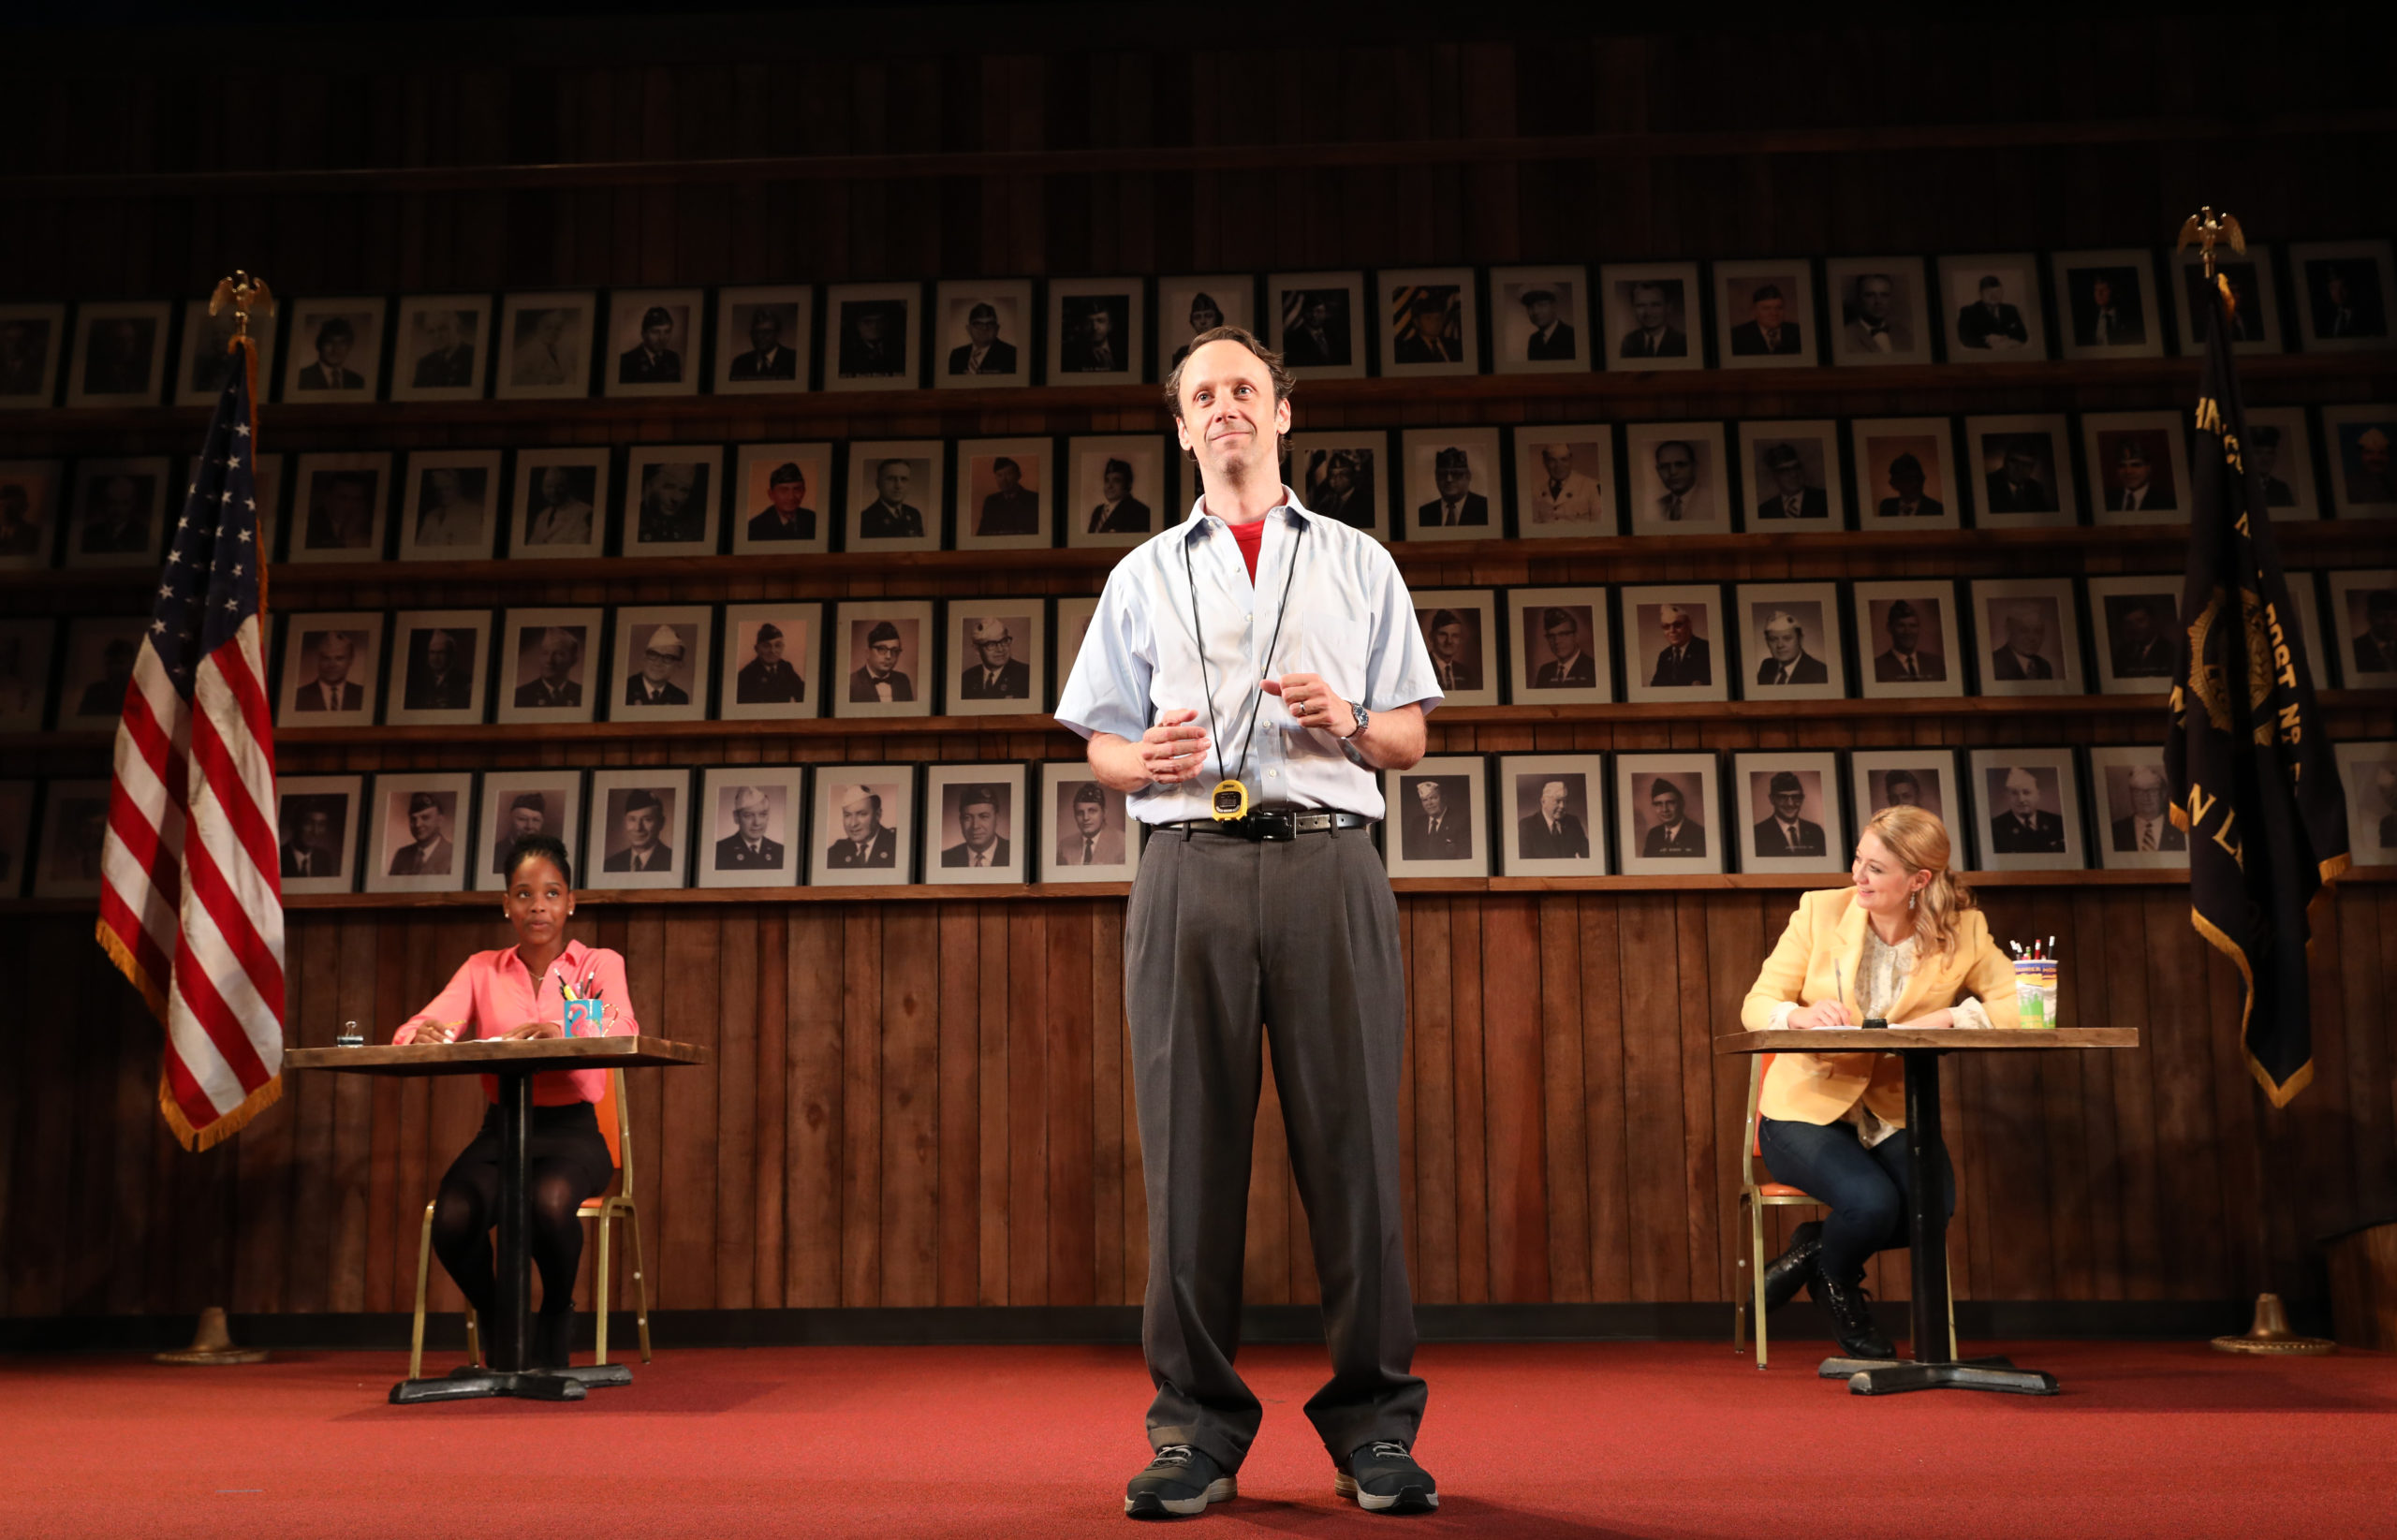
[586, 1018]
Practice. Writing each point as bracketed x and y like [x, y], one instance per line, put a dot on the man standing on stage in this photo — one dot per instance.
[1254, 757]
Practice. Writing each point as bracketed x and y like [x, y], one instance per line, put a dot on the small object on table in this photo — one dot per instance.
[349, 1037]
[1876, 1023]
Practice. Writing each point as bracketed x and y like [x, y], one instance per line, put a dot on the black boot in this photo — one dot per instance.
[1784, 1274]
[1851, 1314]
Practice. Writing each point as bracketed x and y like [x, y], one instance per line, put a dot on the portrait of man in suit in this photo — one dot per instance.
[2133, 485]
[1786, 660]
[528, 814]
[998, 674]
[1685, 659]
[428, 849]
[1769, 328]
[878, 679]
[1094, 342]
[1787, 833]
[20, 531]
[982, 352]
[1790, 491]
[105, 695]
[25, 356]
[441, 666]
[311, 839]
[2146, 827]
[1457, 667]
[2376, 645]
[2367, 464]
[1909, 499]
[1090, 837]
[544, 355]
[341, 510]
[1458, 503]
[2264, 457]
[2385, 782]
[1905, 658]
[1205, 316]
[1652, 334]
[452, 508]
[1117, 511]
[448, 361]
[1671, 831]
[117, 521]
[1317, 336]
[872, 338]
[1569, 664]
[2143, 628]
[2344, 295]
[979, 842]
[1904, 788]
[1677, 473]
[1424, 330]
[643, 823]
[1876, 323]
[673, 503]
[1551, 336]
[332, 689]
[652, 683]
[1553, 833]
[556, 652]
[890, 516]
[1563, 494]
[116, 356]
[747, 847]
[785, 515]
[2106, 311]
[1012, 507]
[1338, 484]
[866, 842]
[766, 679]
[1991, 322]
[2018, 484]
[767, 357]
[561, 512]
[651, 362]
[1437, 825]
[336, 338]
[2021, 655]
[2020, 825]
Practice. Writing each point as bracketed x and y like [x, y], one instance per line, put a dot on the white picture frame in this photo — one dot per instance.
[2107, 304]
[341, 508]
[1991, 310]
[1190, 303]
[1020, 687]
[203, 357]
[1647, 843]
[855, 688]
[953, 792]
[449, 505]
[752, 688]
[2018, 469]
[2368, 770]
[2358, 599]
[1481, 510]
[96, 662]
[653, 342]
[1930, 620]
[1810, 448]
[881, 800]
[2362, 444]
[1097, 331]
[1764, 611]
[27, 643]
[30, 505]
[1438, 818]
[1006, 493]
[1564, 326]
[1651, 452]
[1344, 474]
[2121, 776]
[346, 643]
[762, 525]
[1926, 776]
[441, 347]
[643, 808]
[1579, 504]
[504, 821]
[871, 520]
[765, 340]
[2132, 620]
[873, 336]
[1069, 625]
[1818, 840]
[2258, 319]
[751, 826]
[120, 355]
[1764, 313]
[1093, 519]
[117, 516]
[1429, 325]
[440, 668]
[560, 503]
[317, 824]
[405, 855]
[673, 499]
[1576, 846]
[2049, 777]
[32, 340]
[1110, 836]
[1879, 311]
[1460, 627]
[1653, 320]
[334, 354]
[2344, 292]
[1540, 672]
[2033, 622]
[644, 639]
[2309, 624]
[1661, 668]
[547, 341]
[959, 305]
[541, 682]
[1881, 449]
[1321, 323]
[73, 832]
[2109, 437]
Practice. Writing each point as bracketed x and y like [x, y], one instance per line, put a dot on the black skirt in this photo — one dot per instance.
[567, 1133]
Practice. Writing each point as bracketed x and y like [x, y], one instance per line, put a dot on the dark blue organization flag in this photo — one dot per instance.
[2252, 776]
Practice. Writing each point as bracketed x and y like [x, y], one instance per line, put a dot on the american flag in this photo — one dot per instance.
[191, 902]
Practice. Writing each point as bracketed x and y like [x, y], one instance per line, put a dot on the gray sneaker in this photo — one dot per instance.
[1182, 1480]
[1383, 1477]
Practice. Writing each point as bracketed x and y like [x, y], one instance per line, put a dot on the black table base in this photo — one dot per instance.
[472, 1384]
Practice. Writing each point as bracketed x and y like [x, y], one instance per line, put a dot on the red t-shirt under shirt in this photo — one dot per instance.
[1251, 537]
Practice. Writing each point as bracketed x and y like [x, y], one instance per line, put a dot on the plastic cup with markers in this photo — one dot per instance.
[586, 1013]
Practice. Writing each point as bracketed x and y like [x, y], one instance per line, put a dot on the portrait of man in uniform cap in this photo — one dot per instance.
[1315, 329]
[428, 849]
[1118, 512]
[996, 673]
[878, 677]
[1089, 837]
[770, 357]
[1905, 656]
[785, 515]
[1907, 481]
[747, 849]
[1458, 503]
[1787, 833]
[528, 814]
[1012, 507]
[1552, 338]
[650, 362]
[767, 678]
[983, 352]
[641, 821]
[1769, 328]
[652, 683]
[863, 839]
[874, 337]
[1205, 316]
[1424, 330]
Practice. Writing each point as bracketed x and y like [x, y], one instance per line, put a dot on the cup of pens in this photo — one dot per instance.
[2034, 983]
[586, 1013]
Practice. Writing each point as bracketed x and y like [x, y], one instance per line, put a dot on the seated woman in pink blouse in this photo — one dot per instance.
[514, 993]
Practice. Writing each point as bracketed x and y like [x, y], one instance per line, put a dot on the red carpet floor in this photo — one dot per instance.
[1663, 1440]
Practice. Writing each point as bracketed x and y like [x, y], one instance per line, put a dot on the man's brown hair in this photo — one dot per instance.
[1284, 381]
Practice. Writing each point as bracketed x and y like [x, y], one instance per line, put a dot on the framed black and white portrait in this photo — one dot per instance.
[2108, 304]
[548, 342]
[1904, 474]
[1116, 489]
[1006, 493]
[119, 512]
[662, 663]
[561, 504]
[100, 651]
[1673, 643]
[1991, 308]
[672, 492]
[2256, 314]
[2029, 636]
[1764, 313]
[2138, 467]
[315, 825]
[1192, 304]
[996, 648]
[1664, 805]
[2364, 628]
[864, 826]
[2343, 292]
[1680, 481]
[2134, 809]
[1437, 818]
[751, 825]
[1565, 480]
[1907, 644]
[1541, 320]
[266, 476]
[1074, 614]
[336, 350]
[2309, 624]
[652, 342]
[120, 358]
[1795, 482]
[1922, 777]
[16, 834]
[2369, 772]
[548, 662]
[28, 513]
[32, 339]
[519, 804]
[979, 824]
[1460, 627]
[2019, 469]
[440, 667]
[1551, 814]
[772, 657]
[764, 337]
[883, 657]
[2362, 441]
[448, 505]
[25, 644]
[2029, 809]
[204, 359]
[1342, 474]
[782, 499]
[1090, 833]
[2279, 447]
[333, 670]
[1560, 646]
[1788, 807]
[1430, 322]
[639, 828]
[1791, 643]
[1320, 322]
[1454, 489]
[74, 833]
[1652, 316]
[982, 333]
[418, 837]
[896, 492]
[341, 508]
[873, 338]
[1880, 313]
[2134, 620]
[1096, 330]
[441, 347]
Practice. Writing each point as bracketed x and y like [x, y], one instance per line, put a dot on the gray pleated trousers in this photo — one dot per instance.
[1294, 942]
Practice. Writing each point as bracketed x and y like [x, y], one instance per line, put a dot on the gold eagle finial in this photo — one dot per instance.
[2205, 230]
[246, 294]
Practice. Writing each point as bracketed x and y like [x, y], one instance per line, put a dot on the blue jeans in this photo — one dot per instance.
[1866, 1189]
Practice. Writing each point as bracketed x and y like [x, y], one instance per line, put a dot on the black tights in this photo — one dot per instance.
[464, 1212]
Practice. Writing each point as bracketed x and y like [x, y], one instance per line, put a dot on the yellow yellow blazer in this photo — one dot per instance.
[1818, 959]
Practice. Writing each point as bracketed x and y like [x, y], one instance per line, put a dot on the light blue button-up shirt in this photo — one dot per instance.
[1349, 618]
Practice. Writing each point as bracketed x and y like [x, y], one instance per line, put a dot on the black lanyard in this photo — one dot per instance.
[1199, 639]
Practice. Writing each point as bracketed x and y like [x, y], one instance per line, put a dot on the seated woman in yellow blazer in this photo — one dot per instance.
[1906, 944]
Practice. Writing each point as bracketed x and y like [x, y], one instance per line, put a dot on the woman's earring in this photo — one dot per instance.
[1910, 900]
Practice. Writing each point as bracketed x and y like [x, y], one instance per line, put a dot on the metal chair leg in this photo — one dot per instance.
[600, 1297]
[1756, 1280]
[1740, 1296]
[474, 1341]
[640, 1286]
[423, 1266]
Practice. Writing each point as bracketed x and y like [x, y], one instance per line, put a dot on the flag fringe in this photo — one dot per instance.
[2279, 1092]
[225, 1126]
[134, 974]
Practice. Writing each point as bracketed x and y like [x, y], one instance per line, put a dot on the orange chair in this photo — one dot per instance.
[616, 1126]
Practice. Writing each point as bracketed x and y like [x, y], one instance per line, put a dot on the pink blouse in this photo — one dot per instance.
[492, 992]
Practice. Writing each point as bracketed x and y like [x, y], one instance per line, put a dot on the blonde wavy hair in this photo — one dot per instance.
[1919, 840]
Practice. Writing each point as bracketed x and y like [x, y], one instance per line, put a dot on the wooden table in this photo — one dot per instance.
[1927, 1229]
[515, 1064]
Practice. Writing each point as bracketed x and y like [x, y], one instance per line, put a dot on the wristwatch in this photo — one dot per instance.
[1364, 720]
[1348, 744]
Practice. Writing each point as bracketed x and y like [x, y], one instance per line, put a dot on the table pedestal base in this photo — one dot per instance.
[472, 1384]
[1970, 1375]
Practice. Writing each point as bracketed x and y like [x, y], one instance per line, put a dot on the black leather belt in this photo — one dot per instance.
[1273, 822]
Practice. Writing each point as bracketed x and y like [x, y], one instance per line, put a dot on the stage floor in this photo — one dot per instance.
[1545, 1440]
